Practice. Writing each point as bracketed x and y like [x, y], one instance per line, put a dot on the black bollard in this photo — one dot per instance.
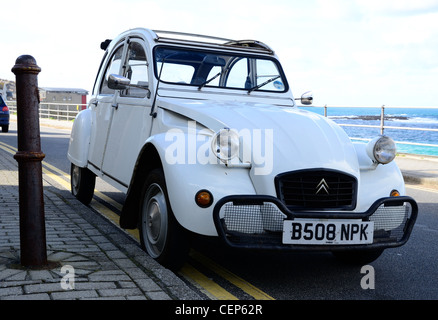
[29, 156]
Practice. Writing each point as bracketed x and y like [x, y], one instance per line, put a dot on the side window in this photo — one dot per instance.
[136, 70]
[112, 68]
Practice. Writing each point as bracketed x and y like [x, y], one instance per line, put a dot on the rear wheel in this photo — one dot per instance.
[82, 183]
[161, 236]
[358, 257]
[5, 128]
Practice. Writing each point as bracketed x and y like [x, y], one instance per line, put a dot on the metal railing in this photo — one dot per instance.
[382, 126]
[56, 111]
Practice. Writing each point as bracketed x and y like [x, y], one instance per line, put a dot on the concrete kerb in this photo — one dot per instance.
[107, 263]
[415, 180]
[419, 169]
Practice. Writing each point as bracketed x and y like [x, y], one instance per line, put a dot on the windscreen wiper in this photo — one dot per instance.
[263, 84]
[208, 81]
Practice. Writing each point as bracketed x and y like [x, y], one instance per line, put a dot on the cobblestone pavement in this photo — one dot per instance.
[90, 257]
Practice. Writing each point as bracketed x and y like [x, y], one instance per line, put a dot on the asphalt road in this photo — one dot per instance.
[408, 272]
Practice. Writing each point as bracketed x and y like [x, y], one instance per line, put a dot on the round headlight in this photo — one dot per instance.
[225, 144]
[382, 149]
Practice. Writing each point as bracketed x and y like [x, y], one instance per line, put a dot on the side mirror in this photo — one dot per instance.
[117, 82]
[307, 98]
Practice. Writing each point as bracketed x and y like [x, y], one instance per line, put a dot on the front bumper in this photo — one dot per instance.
[256, 222]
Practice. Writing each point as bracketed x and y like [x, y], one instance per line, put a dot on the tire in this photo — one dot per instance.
[82, 183]
[161, 236]
[358, 257]
[5, 128]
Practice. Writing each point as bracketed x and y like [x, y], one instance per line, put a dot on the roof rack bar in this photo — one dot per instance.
[191, 35]
[246, 45]
[250, 43]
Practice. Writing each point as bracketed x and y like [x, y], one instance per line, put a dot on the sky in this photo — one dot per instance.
[347, 52]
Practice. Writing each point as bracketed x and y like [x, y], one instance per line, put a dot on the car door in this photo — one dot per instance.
[102, 108]
[131, 121]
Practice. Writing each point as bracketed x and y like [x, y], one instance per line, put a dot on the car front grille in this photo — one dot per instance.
[317, 190]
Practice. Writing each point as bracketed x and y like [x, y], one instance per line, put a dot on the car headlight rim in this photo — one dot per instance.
[382, 149]
[225, 144]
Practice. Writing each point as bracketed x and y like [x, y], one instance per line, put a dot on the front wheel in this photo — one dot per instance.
[82, 182]
[161, 236]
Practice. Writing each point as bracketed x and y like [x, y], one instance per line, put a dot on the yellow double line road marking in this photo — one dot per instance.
[231, 277]
[207, 286]
[204, 284]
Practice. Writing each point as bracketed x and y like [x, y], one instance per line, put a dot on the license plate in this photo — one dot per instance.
[333, 232]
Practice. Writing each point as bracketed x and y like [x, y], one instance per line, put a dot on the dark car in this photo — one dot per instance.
[4, 115]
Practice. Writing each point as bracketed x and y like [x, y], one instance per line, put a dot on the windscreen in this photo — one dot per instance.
[218, 69]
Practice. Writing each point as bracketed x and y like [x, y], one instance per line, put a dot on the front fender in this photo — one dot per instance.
[184, 178]
[80, 138]
[376, 181]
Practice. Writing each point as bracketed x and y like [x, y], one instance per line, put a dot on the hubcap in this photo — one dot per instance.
[75, 179]
[154, 220]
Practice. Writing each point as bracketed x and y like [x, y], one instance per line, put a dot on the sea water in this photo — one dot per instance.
[426, 118]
